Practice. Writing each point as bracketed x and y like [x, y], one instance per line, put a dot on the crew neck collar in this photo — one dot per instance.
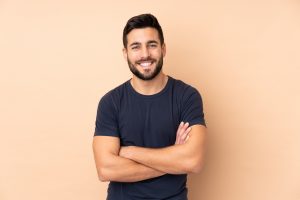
[152, 95]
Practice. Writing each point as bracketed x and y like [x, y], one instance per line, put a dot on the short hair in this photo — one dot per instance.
[142, 21]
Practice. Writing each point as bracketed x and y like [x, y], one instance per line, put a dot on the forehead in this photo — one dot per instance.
[142, 35]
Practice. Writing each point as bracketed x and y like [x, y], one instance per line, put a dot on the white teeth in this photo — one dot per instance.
[145, 64]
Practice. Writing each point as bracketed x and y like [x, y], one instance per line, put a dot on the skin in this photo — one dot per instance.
[176, 159]
[144, 44]
[112, 167]
[131, 164]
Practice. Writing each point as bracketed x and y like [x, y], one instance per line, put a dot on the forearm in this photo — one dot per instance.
[172, 160]
[176, 159]
[125, 170]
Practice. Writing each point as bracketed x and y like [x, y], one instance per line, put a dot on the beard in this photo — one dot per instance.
[146, 77]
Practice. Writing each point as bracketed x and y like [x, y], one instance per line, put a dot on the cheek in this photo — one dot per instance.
[156, 53]
[133, 57]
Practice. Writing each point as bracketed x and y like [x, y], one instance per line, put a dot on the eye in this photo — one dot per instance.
[134, 47]
[153, 45]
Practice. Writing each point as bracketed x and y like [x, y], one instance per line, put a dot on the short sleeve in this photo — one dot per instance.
[106, 121]
[192, 107]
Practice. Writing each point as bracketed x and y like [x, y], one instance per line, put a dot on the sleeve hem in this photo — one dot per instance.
[197, 122]
[97, 133]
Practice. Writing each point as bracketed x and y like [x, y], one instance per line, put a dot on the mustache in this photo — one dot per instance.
[146, 60]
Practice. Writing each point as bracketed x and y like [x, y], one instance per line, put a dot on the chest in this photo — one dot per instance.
[148, 123]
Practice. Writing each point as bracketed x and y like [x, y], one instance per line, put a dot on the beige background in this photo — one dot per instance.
[58, 58]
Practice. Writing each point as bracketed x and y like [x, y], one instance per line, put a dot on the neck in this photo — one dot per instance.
[149, 87]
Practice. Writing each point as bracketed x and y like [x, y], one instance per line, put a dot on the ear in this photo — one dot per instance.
[124, 53]
[164, 49]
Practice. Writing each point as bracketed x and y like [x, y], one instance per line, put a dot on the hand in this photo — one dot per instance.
[182, 133]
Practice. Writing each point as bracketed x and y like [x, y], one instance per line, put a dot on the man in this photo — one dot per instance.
[150, 130]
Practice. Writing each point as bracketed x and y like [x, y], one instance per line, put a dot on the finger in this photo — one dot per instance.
[179, 131]
[183, 129]
[182, 136]
[185, 135]
[186, 125]
[179, 127]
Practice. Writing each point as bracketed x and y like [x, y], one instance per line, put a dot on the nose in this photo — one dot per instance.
[145, 53]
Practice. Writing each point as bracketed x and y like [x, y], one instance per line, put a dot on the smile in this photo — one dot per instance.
[145, 64]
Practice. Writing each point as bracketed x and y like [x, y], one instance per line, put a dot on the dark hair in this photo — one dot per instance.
[142, 21]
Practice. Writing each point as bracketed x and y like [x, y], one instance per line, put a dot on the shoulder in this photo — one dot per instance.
[114, 95]
[116, 92]
[183, 89]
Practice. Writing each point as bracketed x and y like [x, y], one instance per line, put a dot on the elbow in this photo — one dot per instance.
[195, 166]
[102, 175]
[102, 178]
[196, 169]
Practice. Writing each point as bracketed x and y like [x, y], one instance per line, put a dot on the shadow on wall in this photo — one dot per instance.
[181, 64]
[208, 181]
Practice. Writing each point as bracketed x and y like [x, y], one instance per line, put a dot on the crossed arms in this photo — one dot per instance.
[131, 164]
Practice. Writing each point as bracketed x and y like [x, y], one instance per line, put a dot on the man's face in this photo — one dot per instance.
[144, 53]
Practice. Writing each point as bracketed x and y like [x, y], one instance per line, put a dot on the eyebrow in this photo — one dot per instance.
[152, 41]
[149, 42]
[135, 43]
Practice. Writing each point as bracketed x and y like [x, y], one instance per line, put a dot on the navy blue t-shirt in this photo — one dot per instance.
[149, 121]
